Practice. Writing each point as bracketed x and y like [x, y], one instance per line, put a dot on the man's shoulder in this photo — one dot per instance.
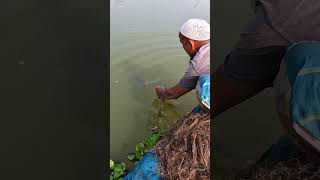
[201, 62]
[302, 26]
[202, 55]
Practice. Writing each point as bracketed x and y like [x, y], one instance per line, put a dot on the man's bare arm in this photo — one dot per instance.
[171, 93]
[227, 92]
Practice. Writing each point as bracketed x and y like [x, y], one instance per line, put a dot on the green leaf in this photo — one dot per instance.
[139, 147]
[111, 177]
[117, 168]
[111, 164]
[123, 166]
[151, 141]
[138, 155]
[117, 175]
[131, 157]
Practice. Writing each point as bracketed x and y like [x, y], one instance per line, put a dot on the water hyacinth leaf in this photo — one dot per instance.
[118, 168]
[131, 157]
[111, 164]
[117, 175]
[151, 141]
[138, 155]
[139, 147]
[123, 166]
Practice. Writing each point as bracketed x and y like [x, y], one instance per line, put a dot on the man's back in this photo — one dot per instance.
[295, 20]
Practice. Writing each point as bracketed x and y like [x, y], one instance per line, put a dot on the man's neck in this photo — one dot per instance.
[198, 49]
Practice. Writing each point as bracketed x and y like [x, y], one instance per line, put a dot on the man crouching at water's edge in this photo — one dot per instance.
[194, 36]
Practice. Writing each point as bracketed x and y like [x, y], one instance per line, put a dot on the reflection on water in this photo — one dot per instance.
[162, 114]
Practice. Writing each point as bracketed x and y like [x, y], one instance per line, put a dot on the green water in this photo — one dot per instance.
[146, 52]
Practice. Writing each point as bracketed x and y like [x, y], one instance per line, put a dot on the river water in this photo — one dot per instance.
[145, 52]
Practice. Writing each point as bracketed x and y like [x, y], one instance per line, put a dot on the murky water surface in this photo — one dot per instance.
[146, 52]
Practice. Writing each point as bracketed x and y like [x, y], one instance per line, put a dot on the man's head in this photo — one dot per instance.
[193, 34]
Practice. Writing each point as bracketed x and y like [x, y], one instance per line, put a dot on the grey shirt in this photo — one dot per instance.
[199, 65]
[295, 20]
[256, 58]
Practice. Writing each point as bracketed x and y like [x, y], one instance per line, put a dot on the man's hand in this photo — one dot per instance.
[161, 92]
[171, 93]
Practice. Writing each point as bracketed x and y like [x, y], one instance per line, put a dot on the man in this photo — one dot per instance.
[194, 36]
[184, 151]
[297, 93]
[254, 63]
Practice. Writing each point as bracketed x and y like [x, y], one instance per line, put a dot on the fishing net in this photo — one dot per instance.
[305, 166]
[184, 152]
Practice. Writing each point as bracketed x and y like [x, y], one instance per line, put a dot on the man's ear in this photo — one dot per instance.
[193, 44]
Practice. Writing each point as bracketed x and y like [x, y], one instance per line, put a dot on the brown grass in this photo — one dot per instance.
[184, 152]
[300, 168]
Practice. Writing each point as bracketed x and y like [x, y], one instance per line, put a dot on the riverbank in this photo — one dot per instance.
[183, 152]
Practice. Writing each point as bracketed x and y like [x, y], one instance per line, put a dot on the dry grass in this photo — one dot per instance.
[300, 168]
[184, 152]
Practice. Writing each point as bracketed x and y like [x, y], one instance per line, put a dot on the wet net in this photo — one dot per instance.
[306, 167]
[184, 152]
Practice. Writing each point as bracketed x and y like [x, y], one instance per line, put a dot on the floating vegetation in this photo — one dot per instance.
[162, 115]
[144, 147]
[118, 171]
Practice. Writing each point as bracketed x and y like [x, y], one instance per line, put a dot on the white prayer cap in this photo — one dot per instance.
[196, 29]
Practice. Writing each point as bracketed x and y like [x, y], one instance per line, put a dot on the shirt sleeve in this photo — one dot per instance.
[190, 77]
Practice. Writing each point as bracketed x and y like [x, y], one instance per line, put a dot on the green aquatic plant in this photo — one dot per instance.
[161, 115]
[117, 170]
[144, 147]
